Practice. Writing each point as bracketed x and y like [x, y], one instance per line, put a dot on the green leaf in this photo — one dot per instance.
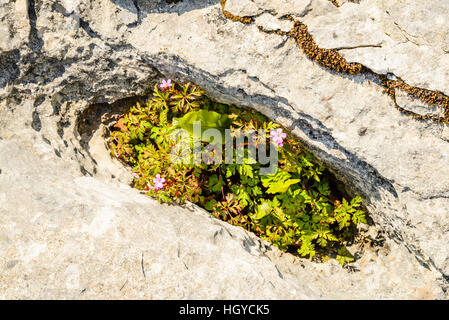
[208, 119]
[344, 256]
[230, 170]
[214, 183]
[263, 210]
[322, 242]
[282, 186]
[324, 189]
[275, 203]
[279, 182]
[247, 170]
[307, 248]
[210, 205]
[359, 217]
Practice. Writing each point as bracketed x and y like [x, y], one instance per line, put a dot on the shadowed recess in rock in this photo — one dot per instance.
[293, 203]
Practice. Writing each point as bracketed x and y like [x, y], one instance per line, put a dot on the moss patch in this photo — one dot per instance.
[230, 16]
[328, 58]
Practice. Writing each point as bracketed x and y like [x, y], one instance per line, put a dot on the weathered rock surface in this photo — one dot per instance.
[71, 228]
[74, 237]
[409, 39]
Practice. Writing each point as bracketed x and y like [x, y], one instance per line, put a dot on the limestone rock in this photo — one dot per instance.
[243, 8]
[407, 38]
[69, 236]
[270, 23]
[70, 227]
[14, 24]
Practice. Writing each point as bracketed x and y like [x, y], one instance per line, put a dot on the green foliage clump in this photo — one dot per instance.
[295, 208]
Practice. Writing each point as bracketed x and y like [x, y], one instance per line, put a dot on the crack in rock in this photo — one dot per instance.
[332, 60]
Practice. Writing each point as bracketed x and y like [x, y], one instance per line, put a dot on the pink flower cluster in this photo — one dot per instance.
[277, 136]
[158, 183]
[165, 84]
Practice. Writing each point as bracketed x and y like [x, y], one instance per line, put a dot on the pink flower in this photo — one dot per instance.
[158, 182]
[166, 84]
[278, 136]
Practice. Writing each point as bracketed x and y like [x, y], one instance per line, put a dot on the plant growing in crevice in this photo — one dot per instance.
[294, 207]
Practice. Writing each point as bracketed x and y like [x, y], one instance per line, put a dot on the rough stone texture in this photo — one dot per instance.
[14, 25]
[71, 228]
[104, 240]
[407, 38]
